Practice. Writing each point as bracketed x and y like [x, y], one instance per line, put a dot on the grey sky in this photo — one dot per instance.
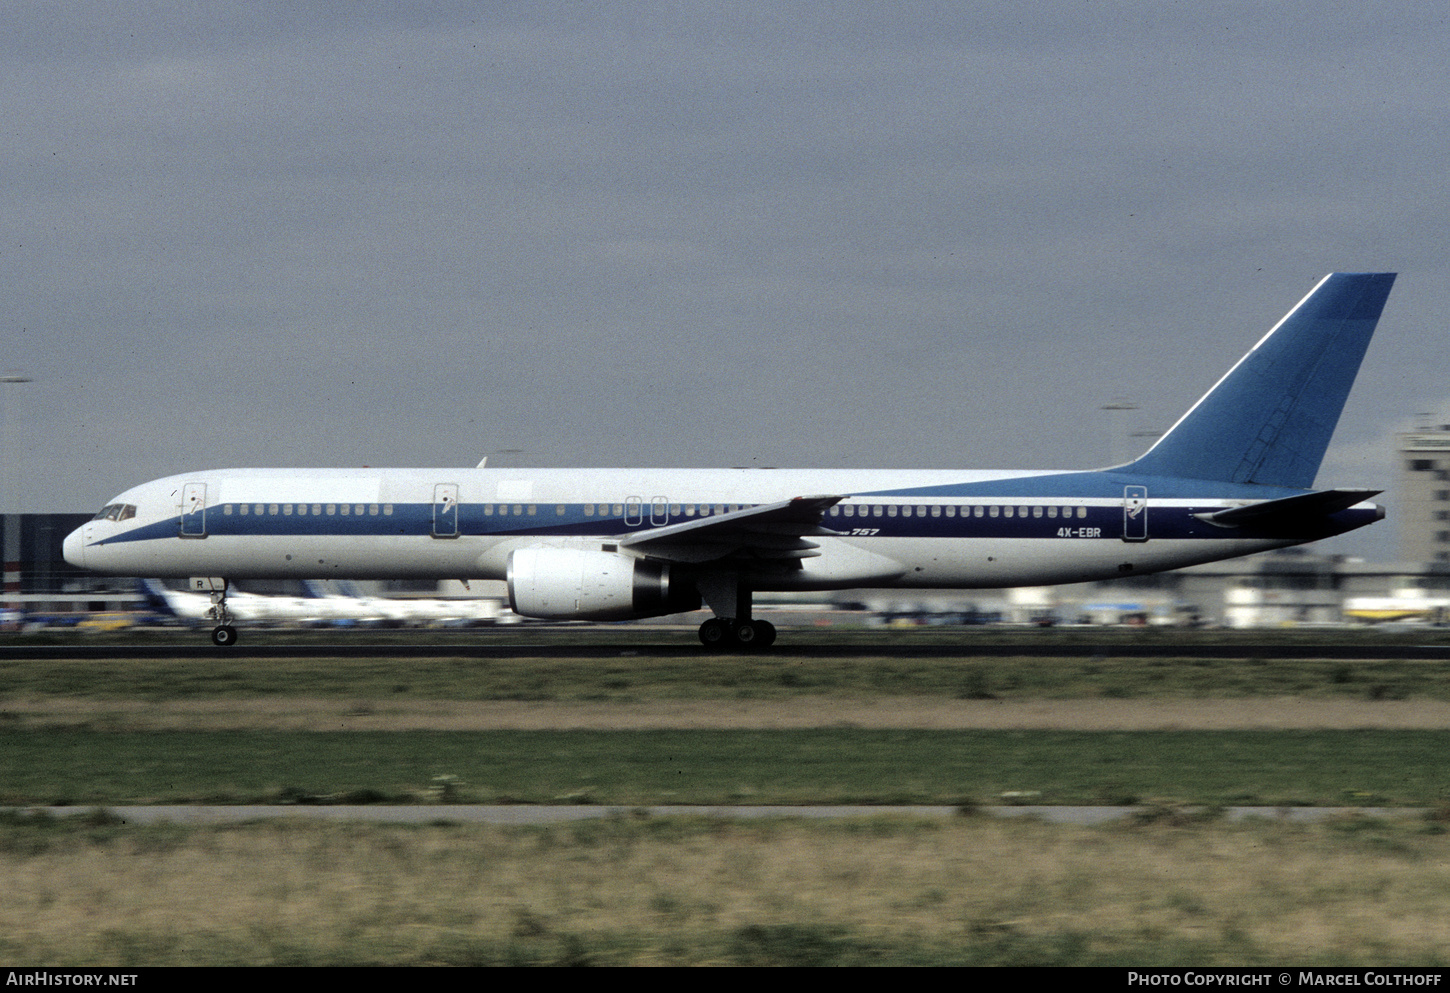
[938, 235]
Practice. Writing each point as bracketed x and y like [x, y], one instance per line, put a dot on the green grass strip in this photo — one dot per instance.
[691, 676]
[81, 766]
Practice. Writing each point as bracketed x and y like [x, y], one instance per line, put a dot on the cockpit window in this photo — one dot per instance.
[116, 512]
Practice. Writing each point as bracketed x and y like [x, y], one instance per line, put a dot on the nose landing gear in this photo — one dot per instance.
[224, 635]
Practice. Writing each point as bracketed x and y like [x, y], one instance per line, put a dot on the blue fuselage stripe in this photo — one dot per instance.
[870, 520]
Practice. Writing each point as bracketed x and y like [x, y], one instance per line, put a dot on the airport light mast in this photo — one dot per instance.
[11, 499]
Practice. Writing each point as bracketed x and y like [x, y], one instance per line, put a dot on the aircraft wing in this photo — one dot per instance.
[771, 531]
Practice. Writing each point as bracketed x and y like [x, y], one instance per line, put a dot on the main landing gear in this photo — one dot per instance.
[732, 629]
[732, 634]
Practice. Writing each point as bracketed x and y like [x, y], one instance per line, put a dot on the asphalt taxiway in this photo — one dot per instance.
[22, 650]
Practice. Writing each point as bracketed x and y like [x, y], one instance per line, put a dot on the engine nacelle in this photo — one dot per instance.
[588, 585]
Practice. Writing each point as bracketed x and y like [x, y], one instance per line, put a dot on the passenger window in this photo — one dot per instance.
[272, 510]
[1082, 511]
[993, 510]
[1008, 511]
[387, 510]
[559, 510]
[891, 510]
[286, 510]
[533, 509]
[518, 509]
[317, 510]
[1051, 511]
[372, 510]
[227, 511]
[246, 509]
[936, 510]
[1036, 511]
[302, 510]
[332, 510]
[589, 510]
[619, 510]
[849, 510]
[343, 509]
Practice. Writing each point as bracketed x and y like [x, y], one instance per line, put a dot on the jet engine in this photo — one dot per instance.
[585, 584]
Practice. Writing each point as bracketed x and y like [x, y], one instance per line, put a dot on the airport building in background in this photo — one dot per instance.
[30, 547]
[1423, 494]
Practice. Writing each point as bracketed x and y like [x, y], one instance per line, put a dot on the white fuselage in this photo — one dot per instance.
[907, 528]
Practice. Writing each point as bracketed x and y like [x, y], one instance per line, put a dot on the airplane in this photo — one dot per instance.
[408, 611]
[1398, 607]
[319, 606]
[1235, 475]
[249, 608]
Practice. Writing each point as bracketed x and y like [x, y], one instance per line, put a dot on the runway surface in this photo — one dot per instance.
[484, 648]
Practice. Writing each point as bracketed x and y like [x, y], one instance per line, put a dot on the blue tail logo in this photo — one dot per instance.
[1269, 419]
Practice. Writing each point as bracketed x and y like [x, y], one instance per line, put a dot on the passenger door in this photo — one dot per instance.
[445, 510]
[193, 510]
[1135, 513]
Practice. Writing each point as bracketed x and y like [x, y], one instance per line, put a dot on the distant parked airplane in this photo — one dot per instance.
[248, 608]
[323, 607]
[412, 611]
[1234, 476]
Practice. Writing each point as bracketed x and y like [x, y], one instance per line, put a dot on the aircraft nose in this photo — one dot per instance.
[74, 548]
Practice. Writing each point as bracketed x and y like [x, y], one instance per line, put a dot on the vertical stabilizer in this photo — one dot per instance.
[1269, 419]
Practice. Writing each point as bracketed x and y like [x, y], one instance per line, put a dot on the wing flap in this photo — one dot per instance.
[776, 531]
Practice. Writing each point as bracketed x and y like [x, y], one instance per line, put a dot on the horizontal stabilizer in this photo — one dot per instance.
[1306, 507]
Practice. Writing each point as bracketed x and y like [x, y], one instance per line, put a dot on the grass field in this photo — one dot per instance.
[76, 766]
[683, 728]
[891, 890]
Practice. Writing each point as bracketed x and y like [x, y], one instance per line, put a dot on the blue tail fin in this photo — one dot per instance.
[1268, 421]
